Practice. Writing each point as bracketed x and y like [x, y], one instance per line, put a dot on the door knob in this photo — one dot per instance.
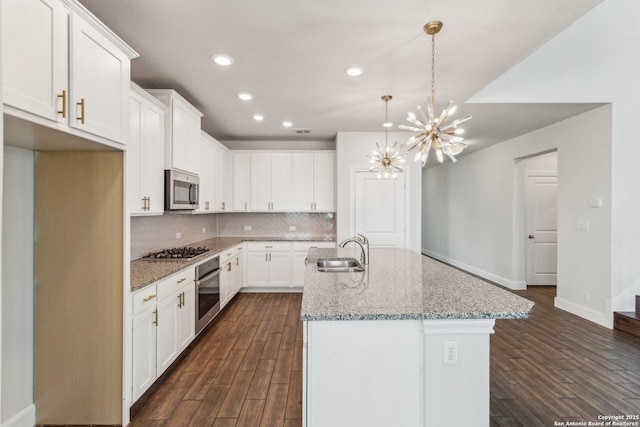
[531, 236]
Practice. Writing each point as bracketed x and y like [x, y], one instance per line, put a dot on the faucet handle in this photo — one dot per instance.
[363, 238]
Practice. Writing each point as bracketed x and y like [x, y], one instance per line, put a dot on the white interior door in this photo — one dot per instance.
[542, 229]
[380, 207]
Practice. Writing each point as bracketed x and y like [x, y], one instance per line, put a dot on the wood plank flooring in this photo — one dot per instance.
[246, 369]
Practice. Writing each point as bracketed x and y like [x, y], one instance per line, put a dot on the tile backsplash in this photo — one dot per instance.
[153, 233]
[278, 224]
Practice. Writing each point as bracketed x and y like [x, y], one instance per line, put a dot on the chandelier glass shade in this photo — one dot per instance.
[433, 131]
[386, 161]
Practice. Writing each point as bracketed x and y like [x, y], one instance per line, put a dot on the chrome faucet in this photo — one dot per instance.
[361, 241]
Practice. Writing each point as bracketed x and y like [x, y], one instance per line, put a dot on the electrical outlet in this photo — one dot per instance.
[204, 230]
[585, 297]
[292, 228]
[450, 353]
[247, 228]
[178, 235]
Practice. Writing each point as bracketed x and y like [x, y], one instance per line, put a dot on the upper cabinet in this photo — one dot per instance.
[145, 154]
[207, 173]
[241, 182]
[223, 179]
[271, 182]
[182, 145]
[314, 182]
[63, 68]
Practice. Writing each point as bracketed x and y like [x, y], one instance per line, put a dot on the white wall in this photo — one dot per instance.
[473, 214]
[17, 287]
[351, 148]
[584, 64]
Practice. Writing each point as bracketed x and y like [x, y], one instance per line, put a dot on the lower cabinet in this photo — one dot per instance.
[163, 326]
[232, 274]
[268, 264]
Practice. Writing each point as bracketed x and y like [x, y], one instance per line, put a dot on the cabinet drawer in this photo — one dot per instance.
[305, 246]
[144, 299]
[269, 246]
[227, 254]
[166, 287]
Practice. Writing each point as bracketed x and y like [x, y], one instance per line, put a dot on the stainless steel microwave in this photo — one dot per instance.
[181, 190]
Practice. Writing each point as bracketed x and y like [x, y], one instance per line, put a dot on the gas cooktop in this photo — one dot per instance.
[175, 254]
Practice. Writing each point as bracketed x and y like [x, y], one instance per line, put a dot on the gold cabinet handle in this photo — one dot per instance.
[266, 257]
[268, 247]
[237, 261]
[149, 298]
[228, 266]
[183, 304]
[245, 206]
[222, 205]
[269, 257]
[64, 104]
[181, 280]
[81, 104]
[179, 300]
[155, 312]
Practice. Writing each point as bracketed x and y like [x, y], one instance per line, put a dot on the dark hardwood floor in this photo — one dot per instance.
[246, 369]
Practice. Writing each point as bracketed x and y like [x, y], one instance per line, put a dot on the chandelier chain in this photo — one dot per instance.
[433, 68]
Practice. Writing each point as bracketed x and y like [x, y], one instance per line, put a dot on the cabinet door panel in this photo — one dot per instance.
[34, 55]
[324, 182]
[186, 317]
[303, 182]
[239, 273]
[207, 175]
[152, 157]
[281, 189]
[298, 268]
[99, 75]
[144, 352]
[134, 172]
[257, 269]
[167, 332]
[280, 268]
[183, 144]
[241, 182]
[260, 182]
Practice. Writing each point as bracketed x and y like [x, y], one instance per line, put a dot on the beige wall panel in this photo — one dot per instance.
[78, 289]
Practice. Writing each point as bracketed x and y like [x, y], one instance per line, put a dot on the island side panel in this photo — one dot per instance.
[457, 391]
[363, 373]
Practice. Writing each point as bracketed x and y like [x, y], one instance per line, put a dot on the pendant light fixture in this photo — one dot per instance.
[432, 131]
[386, 161]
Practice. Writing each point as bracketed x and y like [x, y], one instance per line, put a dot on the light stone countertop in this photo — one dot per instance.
[402, 284]
[145, 272]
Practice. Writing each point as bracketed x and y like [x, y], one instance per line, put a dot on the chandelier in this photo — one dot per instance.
[386, 161]
[432, 130]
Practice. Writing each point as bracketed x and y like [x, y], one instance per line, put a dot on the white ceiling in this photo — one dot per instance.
[291, 54]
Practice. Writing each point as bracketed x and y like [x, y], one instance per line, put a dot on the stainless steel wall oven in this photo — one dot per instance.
[207, 292]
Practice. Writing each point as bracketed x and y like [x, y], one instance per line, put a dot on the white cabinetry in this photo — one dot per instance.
[299, 251]
[182, 144]
[241, 182]
[207, 173]
[268, 264]
[313, 182]
[271, 182]
[232, 275]
[64, 69]
[145, 317]
[145, 154]
[163, 326]
[223, 177]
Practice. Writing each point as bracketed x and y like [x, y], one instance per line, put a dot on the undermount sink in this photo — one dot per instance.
[339, 265]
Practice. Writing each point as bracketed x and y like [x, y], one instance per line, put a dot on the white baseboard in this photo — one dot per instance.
[275, 289]
[507, 283]
[24, 418]
[584, 312]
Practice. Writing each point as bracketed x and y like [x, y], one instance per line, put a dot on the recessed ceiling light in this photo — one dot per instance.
[287, 124]
[245, 96]
[387, 124]
[221, 59]
[258, 117]
[354, 71]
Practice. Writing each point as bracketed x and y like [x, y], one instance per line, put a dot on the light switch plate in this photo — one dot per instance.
[595, 202]
[292, 228]
[247, 228]
[178, 235]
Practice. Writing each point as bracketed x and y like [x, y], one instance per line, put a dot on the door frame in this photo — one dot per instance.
[407, 202]
[527, 175]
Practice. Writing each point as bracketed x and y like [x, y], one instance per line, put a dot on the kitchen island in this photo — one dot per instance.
[403, 343]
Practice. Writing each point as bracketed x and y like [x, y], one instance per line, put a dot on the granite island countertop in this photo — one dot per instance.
[146, 272]
[400, 284]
